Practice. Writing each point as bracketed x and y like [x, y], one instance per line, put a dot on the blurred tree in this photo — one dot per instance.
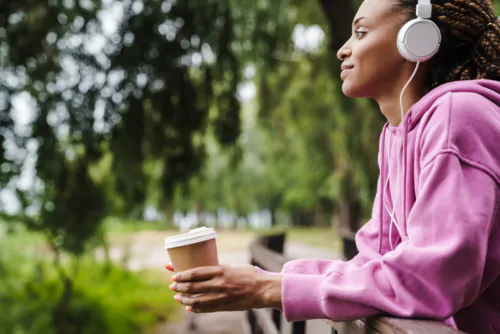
[313, 145]
[109, 87]
[137, 79]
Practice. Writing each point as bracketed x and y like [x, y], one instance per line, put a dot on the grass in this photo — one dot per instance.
[123, 226]
[321, 237]
[318, 237]
[22, 242]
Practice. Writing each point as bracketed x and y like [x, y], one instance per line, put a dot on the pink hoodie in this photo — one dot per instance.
[446, 265]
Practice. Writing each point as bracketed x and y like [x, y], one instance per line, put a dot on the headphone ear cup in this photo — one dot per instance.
[419, 40]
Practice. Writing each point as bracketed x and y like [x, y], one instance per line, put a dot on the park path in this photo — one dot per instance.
[145, 251]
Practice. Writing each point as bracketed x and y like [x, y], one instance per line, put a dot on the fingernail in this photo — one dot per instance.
[176, 298]
[189, 309]
[172, 287]
[174, 278]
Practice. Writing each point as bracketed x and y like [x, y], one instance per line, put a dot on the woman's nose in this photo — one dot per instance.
[344, 51]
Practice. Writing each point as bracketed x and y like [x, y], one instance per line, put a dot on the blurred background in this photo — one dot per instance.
[123, 122]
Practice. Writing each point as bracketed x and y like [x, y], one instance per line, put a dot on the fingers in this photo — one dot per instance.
[205, 303]
[169, 266]
[196, 287]
[198, 274]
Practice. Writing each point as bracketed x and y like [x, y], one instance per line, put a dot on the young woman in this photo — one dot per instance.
[432, 246]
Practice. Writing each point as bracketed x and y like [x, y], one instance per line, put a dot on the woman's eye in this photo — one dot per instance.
[360, 34]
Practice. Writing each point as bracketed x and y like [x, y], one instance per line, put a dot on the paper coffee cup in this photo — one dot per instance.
[197, 248]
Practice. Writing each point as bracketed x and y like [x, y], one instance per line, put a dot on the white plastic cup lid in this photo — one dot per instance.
[194, 236]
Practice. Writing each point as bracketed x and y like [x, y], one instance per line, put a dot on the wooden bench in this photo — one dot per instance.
[267, 253]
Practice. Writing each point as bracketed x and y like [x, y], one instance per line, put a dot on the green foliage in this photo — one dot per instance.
[105, 298]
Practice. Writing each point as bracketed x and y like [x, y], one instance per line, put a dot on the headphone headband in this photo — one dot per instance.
[424, 9]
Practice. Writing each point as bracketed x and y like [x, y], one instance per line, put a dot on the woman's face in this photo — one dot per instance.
[372, 65]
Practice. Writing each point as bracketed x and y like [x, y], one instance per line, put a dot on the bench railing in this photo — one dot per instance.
[267, 253]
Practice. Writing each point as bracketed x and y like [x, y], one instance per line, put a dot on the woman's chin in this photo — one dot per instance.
[348, 90]
[351, 91]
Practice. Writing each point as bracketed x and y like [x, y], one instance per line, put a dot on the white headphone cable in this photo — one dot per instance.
[392, 215]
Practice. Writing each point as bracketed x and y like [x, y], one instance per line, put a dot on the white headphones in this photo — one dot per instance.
[418, 41]
[420, 38]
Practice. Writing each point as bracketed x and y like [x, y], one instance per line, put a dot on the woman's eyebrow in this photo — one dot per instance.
[356, 21]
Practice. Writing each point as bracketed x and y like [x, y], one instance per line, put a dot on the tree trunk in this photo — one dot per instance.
[60, 319]
[273, 208]
[349, 217]
[169, 215]
[320, 218]
[198, 209]
[303, 219]
[339, 15]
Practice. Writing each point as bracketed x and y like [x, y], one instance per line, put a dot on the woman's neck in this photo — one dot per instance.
[389, 100]
[390, 104]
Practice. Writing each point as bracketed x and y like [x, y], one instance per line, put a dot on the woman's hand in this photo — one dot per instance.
[226, 288]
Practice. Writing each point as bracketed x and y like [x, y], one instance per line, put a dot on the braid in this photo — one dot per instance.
[470, 47]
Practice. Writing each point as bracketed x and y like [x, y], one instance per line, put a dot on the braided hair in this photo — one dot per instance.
[470, 46]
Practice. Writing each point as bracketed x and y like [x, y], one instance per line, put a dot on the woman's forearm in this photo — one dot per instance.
[271, 286]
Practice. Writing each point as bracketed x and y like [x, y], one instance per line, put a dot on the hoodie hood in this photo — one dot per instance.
[487, 88]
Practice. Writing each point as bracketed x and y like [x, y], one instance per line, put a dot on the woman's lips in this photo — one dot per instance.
[346, 67]
[344, 73]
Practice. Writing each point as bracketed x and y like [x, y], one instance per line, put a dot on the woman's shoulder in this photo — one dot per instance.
[465, 123]
[467, 116]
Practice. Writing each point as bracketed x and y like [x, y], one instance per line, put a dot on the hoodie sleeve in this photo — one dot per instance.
[449, 229]
[369, 234]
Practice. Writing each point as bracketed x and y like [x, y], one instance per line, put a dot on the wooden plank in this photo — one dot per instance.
[276, 315]
[299, 327]
[390, 325]
[267, 259]
[274, 242]
[265, 321]
[253, 325]
[353, 327]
